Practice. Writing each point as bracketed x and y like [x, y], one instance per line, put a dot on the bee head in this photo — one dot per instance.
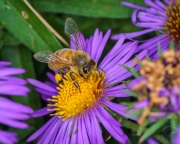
[87, 68]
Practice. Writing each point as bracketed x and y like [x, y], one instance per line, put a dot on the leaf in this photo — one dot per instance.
[22, 133]
[1, 44]
[8, 39]
[173, 128]
[141, 129]
[131, 70]
[22, 58]
[151, 130]
[172, 46]
[19, 20]
[159, 51]
[129, 124]
[133, 126]
[132, 93]
[2, 5]
[91, 8]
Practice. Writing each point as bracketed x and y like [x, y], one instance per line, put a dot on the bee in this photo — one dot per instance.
[69, 60]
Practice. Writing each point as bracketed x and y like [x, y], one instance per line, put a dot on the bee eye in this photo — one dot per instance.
[85, 70]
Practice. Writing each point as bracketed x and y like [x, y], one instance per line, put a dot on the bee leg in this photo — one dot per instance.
[75, 83]
[58, 77]
[80, 73]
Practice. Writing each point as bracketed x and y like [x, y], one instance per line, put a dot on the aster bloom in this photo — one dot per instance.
[176, 137]
[151, 141]
[158, 89]
[11, 112]
[158, 16]
[76, 113]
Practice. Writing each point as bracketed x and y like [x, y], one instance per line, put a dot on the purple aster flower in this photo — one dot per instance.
[158, 16]
[176, 137]
[12, 113]
[158, 87]
[152, 141]
[77, 113]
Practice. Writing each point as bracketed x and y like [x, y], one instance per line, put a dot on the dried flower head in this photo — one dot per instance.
[158, 86]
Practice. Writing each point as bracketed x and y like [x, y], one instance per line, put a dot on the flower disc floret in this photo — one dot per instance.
[72, 101]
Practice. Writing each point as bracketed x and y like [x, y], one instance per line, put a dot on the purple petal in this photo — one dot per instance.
[48, 94]
[13, 123]
[61, 133]
[41, 85]
[108, 117]
[84, 131]
[141, 104]
[151, 141]
[51, 77]
[74, 133]
[42, 129]
[134, 82]
[102, 45]
[117, 46]
[133, 6]
[14, 90]
[13, 106]
[4, 63]
[120, 109]
[11, 115]
[11, 71]
[176, 137]
[79, 133]
[88, 124]
[68, 132]
[12, 80]
[116, 132]
[50, 132]
[41, 112]
[97, 129]
[8, 137]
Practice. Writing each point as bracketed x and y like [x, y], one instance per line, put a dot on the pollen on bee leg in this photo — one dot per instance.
[71, 102]
[58, 77]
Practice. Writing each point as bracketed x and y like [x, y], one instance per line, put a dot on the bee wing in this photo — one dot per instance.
[72, 31]
[57, 62]
[54, 61]
[43, 56]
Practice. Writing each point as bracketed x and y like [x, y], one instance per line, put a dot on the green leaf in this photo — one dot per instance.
[174, 130]
[8, 39]
[151, 130]
[171, 46]
[132, 93]
[159, 51]
[22, 134]
[2, 5]
[141, 129]
[129, 124]
[133, 126]
[131, 70]
[135, 113]
[174, 121]
[148, 58]
[19, 20]
[91, 8]
[22, 58]
[1, 44]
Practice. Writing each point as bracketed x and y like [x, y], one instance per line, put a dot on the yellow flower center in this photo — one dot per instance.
[172, 26]
[72, 101]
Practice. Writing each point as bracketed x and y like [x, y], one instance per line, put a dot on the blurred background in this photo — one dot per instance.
[22, 34]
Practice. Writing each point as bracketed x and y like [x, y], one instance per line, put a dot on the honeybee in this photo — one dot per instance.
[69, 60]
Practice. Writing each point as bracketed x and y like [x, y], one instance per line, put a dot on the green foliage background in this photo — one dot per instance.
[21, 37]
